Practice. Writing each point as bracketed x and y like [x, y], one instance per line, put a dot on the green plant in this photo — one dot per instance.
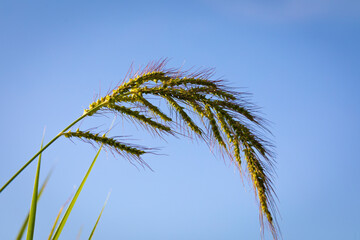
[227, 119]
[57, 228]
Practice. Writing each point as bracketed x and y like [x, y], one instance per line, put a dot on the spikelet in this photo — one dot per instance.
[214, 126]
[111, 143]
[140, 117]
[235, 144]
[224, 126]
[137, 81]
[155, 110]
[185, 117]
[213, 91]
[239, 109]
[263, 186]
[197, 108]
[186, 81]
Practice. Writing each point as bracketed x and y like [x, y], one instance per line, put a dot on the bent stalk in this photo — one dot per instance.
[48, 144]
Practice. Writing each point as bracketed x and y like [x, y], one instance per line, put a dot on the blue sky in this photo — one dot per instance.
[300, 59]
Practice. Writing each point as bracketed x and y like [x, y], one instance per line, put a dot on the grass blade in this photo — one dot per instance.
[32, 214]
[97, 221]
[73, 201]
[58, 217]
[23, 227]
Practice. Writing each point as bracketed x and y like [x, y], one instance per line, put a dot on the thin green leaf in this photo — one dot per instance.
[58, 217]
[25, 223]
[32, 214]
[72, 203]
[97, 221]
[55, 223]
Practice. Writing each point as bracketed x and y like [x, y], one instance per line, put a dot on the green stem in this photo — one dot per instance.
[32, 213]
[51, 142]
[25, 223]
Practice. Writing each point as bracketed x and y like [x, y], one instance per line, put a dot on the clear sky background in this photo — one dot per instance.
[300, 59]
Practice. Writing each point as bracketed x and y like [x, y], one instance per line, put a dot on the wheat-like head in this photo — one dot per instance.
[227, 118]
